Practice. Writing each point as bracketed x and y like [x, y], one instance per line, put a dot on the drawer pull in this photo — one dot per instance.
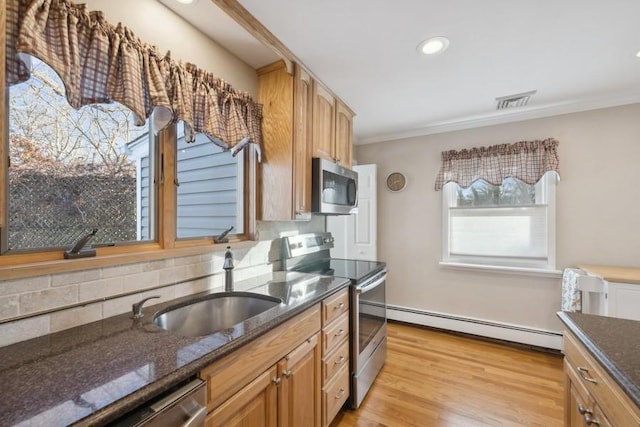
[584, 410]
[584, 373]
[276, 381]
[340, 361]
[340, 394]
[287, 373]
[339, 306]
[340, 332]
[590, 421]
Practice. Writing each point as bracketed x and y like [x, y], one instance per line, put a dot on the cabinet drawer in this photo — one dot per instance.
[334, 306]
[335, 360]
[335, 333]
[607, 394]
[334, 394]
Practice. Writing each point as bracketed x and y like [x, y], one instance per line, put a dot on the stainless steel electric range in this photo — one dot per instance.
[310, 253]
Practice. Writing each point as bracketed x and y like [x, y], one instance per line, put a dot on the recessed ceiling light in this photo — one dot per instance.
[638, 54]
[434, 45]
[186, 1]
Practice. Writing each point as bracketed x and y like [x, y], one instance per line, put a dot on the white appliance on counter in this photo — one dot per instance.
[588, 293]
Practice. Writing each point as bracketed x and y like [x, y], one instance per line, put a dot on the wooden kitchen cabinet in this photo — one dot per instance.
[344, 135]
[301, 119]
[254, 405]
[592, 398]
[324, 121]
[274, 380]
[335, 354]
[286, 142]
[299, 401]
[332, 127]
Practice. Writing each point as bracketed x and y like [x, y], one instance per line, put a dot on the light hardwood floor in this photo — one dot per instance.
[437, 379]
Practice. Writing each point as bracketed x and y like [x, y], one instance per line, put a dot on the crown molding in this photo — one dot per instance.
[507, 116]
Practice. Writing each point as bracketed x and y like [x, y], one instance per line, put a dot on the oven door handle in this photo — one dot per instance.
[368, 287]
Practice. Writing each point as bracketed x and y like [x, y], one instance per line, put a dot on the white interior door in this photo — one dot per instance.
[356, 235]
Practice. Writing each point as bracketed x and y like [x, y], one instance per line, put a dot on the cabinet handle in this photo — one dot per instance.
[584, 373]
[340, 361]
[340, 394]
[276, 381]
[590, 421]
[584, 410]
[287, 373]
[340, 332]
[339, 306]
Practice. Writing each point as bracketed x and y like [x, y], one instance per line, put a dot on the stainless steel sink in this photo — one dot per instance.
[213, 313]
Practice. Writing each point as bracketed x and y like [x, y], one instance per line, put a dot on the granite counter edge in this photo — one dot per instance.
[631, 389]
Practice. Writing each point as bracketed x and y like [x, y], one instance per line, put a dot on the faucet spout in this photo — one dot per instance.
[228, 270]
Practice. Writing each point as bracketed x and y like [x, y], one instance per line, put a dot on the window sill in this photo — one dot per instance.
[10, 271]
[524, 271]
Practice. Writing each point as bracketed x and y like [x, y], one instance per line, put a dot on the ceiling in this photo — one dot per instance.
[577, 55]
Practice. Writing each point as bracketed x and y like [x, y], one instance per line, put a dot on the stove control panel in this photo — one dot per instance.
[304, 244]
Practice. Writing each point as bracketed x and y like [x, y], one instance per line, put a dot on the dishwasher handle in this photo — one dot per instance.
[197, 419]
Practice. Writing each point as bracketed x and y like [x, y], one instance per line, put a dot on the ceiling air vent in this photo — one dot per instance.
[512, 101]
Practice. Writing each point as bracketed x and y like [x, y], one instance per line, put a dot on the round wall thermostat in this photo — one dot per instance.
[396, 181]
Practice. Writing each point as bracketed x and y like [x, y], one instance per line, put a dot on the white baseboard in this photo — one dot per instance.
[480, 327]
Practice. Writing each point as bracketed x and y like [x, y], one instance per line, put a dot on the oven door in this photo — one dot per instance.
[370, 319]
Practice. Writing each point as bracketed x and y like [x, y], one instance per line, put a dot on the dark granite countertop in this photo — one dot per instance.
[614, 343]
[93, 374]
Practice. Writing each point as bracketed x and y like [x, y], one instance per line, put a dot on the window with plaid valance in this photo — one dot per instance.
[526, 160]
[99, 62]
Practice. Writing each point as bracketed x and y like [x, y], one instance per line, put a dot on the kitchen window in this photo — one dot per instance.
[71, 171]
[210, 188]
[509, 226]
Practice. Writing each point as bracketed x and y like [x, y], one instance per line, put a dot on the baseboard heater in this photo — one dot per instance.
[469, 325]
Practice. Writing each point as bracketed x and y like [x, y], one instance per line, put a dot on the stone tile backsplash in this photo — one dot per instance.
[107, 291]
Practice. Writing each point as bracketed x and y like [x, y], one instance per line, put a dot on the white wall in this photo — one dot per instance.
[598, 215]
[159, 26]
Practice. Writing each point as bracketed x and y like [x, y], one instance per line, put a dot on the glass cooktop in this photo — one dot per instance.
[356, 270]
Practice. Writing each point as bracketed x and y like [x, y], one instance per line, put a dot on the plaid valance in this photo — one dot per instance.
[526, 160]
[99, 62]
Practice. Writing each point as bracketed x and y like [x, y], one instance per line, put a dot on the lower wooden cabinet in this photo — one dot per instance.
[275, 380]
[592, 398]
[254, 405]
[299, 391]
[335, 354]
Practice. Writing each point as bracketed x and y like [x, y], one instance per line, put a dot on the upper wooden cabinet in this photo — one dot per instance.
[344, 135]
[324, 122]
[303, 104]
[301, 119]
[286, 132]
[332, 127]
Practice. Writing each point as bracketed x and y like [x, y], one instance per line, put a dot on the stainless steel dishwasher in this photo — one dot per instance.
[184, 405]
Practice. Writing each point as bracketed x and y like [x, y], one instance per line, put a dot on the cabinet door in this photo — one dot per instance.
[344, 135]
[324, 109]
[254, 405]
[275, 93]
[576, 404]
[302, 144]
[299, 398]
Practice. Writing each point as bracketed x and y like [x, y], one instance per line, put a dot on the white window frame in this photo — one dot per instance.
[545, 195]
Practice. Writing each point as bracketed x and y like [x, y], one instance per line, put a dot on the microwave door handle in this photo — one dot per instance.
[367, 288]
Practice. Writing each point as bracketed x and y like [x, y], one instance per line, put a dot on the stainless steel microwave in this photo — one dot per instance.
[334, 188]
